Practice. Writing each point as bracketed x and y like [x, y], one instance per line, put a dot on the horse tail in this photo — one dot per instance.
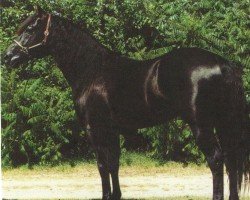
[239, 114]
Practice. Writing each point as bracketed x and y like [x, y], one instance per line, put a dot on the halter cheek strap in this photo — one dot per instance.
[46, 34]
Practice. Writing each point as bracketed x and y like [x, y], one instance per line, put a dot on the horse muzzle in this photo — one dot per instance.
[14, 59]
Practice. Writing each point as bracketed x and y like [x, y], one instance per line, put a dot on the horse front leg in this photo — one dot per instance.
[103, 168]
[231, 165]
[100, 149]
[107, 148]
[114, 166]
[207, 143]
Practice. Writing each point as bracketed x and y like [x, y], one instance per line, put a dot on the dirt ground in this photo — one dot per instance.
[84, 183]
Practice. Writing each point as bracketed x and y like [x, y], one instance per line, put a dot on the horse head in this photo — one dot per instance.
[32, 39]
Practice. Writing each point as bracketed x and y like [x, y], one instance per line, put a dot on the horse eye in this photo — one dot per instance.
[30, 27]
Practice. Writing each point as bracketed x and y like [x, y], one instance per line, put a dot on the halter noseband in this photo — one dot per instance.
[46, 34]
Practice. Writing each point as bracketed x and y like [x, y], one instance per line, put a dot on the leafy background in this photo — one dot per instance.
[38, 119]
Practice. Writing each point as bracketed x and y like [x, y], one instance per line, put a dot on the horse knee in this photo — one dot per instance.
[215, 162]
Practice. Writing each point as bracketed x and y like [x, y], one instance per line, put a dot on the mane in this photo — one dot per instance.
[82, 28]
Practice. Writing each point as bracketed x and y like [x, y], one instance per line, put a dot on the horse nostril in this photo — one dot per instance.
[5, 57]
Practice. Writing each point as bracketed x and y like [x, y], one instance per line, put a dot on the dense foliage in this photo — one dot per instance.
[38, 118]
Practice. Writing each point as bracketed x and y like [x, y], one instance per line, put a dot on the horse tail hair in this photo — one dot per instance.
[239, 117]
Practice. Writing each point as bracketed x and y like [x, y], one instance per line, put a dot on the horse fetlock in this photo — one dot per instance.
[218, 197]
[234, 197]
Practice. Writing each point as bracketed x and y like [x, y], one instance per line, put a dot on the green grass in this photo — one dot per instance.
[130, 163]
[138, 159]
[142, 159]
[127, 159]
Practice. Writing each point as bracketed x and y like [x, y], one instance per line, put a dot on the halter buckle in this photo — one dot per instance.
[46, 33]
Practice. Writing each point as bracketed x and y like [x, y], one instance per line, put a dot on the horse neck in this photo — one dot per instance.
[78, 55]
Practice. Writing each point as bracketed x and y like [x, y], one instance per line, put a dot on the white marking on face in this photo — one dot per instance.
[88, 127]
[15, 57]
[199, 74]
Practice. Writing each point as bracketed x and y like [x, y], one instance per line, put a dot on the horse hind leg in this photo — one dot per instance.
[203, 104]
[207, 143]
[229, 144]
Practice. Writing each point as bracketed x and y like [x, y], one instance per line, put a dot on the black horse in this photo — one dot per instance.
[116, 95]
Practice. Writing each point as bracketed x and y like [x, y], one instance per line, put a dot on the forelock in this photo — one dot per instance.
[25, 24]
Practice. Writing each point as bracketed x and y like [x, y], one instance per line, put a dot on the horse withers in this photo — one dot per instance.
[115, 95]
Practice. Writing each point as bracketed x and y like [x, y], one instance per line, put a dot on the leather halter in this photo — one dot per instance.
[46, 34]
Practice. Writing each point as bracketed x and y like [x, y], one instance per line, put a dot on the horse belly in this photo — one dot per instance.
[135, 113]
[136, 120]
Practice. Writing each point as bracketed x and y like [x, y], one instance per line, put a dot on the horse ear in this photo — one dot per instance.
[39, 11]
